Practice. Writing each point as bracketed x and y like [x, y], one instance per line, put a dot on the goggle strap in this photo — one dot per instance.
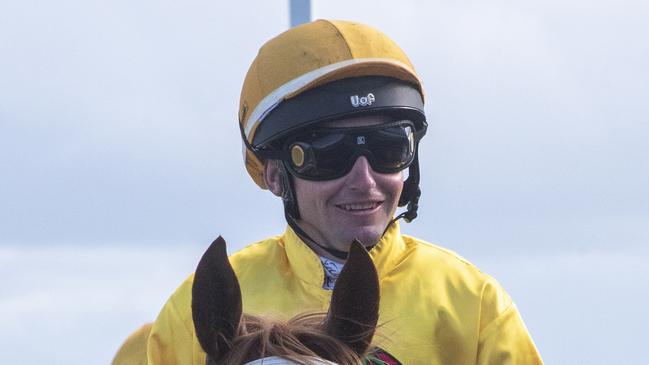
[288, 193]
[262, 154]
[270, 154]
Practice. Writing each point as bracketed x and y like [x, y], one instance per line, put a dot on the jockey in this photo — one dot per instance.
[331, 117]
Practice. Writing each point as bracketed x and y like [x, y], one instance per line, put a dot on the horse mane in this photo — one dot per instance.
[300, 339]
[343, 335]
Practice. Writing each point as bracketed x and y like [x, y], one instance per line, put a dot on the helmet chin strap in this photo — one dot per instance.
[292, 213]
[411, 211]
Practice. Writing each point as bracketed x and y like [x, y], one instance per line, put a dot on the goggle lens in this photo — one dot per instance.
[330, 153]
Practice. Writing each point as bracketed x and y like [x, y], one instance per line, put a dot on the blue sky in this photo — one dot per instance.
[121, 160]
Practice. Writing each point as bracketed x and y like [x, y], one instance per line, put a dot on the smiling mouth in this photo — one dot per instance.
[359, 207]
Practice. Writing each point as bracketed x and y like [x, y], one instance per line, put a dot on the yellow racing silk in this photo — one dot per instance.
[133, 350]
[436, 308]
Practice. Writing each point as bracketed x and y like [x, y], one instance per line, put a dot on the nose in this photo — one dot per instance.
[361, 176]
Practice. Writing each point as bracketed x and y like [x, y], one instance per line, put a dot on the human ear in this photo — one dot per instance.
[273, 176]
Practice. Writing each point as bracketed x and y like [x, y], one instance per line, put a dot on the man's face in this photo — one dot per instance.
[357, 205]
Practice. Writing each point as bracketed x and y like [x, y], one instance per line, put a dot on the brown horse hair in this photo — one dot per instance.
[301, 337]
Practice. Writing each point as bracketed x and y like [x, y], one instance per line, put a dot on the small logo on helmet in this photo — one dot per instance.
[360, 139]
[362, 100]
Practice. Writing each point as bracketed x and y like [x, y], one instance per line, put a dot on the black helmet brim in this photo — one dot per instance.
[342, 99]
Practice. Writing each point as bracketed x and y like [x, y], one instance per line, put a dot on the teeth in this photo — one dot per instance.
[359, 206]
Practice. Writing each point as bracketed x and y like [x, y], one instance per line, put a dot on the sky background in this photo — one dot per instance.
[120, 160]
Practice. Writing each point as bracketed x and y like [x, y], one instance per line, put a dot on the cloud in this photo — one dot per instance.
[91, 296]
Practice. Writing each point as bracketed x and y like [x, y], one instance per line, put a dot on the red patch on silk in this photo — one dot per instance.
[384, 358]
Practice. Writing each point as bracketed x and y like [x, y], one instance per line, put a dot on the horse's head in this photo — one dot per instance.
[343, 336]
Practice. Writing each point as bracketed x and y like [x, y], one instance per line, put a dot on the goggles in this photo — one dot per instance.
[330, 153]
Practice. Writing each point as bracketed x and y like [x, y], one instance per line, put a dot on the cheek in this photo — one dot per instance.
[391, 184]
[314, 194]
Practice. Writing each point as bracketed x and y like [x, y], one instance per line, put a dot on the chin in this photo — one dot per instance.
[368, 236]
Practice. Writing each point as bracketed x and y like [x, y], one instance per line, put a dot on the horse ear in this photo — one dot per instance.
[354, 309]
[216, 301]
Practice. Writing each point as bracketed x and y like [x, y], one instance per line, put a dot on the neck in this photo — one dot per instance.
[321, 250]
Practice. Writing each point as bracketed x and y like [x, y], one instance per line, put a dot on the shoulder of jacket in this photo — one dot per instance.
[180, 301]
[259, 250]
[448, 264]
[440, 255]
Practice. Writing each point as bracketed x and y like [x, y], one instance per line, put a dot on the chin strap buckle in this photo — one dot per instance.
[411, 213]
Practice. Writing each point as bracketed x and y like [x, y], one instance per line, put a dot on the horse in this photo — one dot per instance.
[341, 336]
